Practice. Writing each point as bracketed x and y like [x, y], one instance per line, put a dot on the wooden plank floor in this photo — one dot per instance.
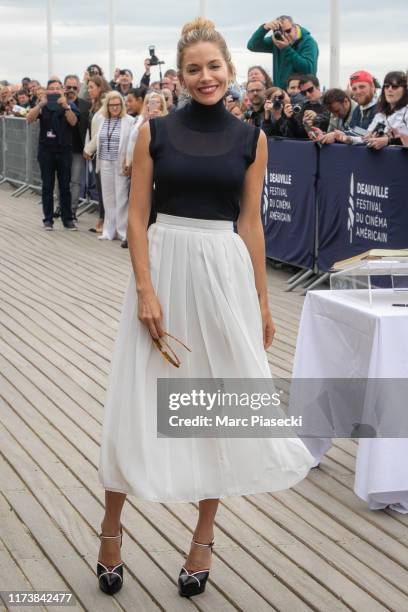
[315, 547]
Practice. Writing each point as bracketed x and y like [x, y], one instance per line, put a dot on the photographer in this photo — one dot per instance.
[341, 109]
[123, 82]
[275, 122]
[312, 114]
[57, 117]
[293, 48]
[256, 93]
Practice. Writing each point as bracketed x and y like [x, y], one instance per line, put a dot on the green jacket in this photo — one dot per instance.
[301, 57]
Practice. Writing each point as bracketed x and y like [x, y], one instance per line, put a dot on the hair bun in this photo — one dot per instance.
[199, 23]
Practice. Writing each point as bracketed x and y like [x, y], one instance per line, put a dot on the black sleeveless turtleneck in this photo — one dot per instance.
[200, 155]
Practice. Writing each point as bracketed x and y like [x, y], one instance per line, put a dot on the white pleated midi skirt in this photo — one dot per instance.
[204, 279]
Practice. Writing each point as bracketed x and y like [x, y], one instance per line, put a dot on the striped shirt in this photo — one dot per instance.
[109, 139]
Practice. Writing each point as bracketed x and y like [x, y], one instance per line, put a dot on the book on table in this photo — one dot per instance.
[372, 254]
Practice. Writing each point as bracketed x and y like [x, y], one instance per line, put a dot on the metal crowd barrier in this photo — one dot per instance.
[18, 160]
[18, 154]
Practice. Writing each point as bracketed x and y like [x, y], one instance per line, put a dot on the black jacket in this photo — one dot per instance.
[78, 137]
[295, 127]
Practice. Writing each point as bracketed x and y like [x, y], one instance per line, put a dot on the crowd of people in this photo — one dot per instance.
[98, 120]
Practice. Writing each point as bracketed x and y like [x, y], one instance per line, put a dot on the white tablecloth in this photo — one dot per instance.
[341, 336]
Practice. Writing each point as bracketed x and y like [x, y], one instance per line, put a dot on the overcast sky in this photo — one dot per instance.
[373, 33]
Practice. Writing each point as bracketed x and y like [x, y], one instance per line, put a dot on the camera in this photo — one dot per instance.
[278, 34]
[233, 94]
[379, 129]
[248, 113]
[277, 103]
[154, 60]
[297, 101]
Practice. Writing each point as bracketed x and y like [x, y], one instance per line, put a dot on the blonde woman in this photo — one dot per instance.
[110, 146]
[195, 278]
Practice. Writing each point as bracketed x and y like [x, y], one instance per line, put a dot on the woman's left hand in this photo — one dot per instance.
[379, 142]
[268, 326]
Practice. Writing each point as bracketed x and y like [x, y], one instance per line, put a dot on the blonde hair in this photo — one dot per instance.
[203, 30]
[110, 96]
[155, 94]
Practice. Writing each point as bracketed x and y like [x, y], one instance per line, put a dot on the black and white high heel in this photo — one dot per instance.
[110, 577]
[193, 583]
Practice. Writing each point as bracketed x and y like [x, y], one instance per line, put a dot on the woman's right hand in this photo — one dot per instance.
[86, 156]
[150, 313]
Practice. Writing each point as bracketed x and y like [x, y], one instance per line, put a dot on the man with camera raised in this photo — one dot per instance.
[303, 118]
[294, 49]
[58, 117]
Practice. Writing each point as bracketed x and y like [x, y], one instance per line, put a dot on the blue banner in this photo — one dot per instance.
[288, 204]
[363, 201]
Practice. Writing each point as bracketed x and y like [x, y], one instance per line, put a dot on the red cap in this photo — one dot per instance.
[361, 76]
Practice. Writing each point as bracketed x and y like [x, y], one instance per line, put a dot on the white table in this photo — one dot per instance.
[341, 336]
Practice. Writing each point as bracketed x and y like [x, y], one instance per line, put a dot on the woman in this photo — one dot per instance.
[97, 88]
[257, 73]
[110, 146]
[134, 100]
[275, 120]
[198, 280]
[392, 115]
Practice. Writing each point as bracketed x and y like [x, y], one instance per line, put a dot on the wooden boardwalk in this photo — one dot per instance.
[315, 547]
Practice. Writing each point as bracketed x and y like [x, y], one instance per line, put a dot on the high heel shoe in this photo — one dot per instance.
[110, 577]
[193, 583]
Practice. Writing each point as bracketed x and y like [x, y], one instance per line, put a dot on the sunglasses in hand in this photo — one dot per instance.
[166, 350]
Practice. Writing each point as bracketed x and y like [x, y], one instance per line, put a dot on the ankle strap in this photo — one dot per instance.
[210, 545]
[105, 537]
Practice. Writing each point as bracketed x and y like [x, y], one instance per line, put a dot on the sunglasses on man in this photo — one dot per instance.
[71, 88]
[309, 90]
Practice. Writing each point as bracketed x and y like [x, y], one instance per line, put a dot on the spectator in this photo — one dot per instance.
[97, 89]
[71, 87]
[110, 146]
[293, 86]
[57, 122]
[168, 96]
[32, 88]
[293, 49]
[156, 86]
[364, 93]
[392, 112]
[134, 101]
[256, 94]
[341, 107]
[124, 82]
[23, 98]
[170, 81]
[275, 122]
[236, 110]
[257, 73]
[25, 84]
[312, 114]
[92, 71]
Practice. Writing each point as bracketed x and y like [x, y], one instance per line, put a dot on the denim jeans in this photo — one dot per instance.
[59, 163]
